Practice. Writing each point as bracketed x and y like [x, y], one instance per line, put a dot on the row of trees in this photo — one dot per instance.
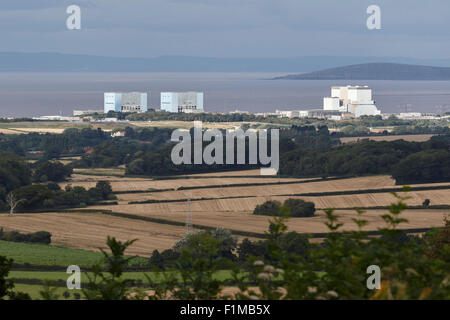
[298, 208]
[72, 141]
[42, 237]
[17, 176]
[430, 159]
[51, 196]
[17, 193]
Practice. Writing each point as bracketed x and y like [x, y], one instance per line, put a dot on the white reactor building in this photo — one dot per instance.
[125, 102]
[352, 99]
[182, 101]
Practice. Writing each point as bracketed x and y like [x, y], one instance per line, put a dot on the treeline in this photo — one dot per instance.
[298, 208]
[153, 115]
[428, 161]
[71, 142]
[307, 155]
[50, 196]
[42, 237]
[122, 150]
[159, 162]
[55, 171]
[305, 151]
[228, 248]
[17, 188]
[15, 172]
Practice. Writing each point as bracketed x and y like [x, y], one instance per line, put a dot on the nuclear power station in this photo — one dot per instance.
[188, 102]
[356, 100]
[125, 102]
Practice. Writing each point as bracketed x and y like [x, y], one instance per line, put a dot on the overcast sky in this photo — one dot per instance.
[228, 28]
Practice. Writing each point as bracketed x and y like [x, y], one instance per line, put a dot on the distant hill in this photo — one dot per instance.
[61, 62]
[376, 71]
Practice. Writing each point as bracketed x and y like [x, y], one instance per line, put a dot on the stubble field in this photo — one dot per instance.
[226, 203]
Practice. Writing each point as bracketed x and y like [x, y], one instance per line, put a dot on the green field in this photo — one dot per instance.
[34, 291]
[45, 255]
[62, 276]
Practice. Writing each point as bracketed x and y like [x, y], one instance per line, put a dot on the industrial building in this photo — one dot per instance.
[292, 113]
[182, 102]
[79, 113]
[125, 102]
[356, 100]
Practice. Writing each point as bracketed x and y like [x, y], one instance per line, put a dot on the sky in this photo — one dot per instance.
[228, 28]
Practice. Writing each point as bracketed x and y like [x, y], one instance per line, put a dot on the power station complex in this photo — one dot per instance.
[344, 102]
[188, 102]
[355, 100]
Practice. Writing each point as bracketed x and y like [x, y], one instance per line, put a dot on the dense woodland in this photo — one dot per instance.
[305, 151]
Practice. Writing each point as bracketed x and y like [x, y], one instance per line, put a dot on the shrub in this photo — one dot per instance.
[300, 208]
[43, 237]
[268, 208]
[297, 207]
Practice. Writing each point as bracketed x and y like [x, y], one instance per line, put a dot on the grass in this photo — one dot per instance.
[45, 255]
[34, 289]
[32, 282]
[62, 276]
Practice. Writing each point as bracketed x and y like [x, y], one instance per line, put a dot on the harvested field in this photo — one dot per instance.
[142, 184]
[127, 184]
[408, 137]
[267, 191]
[255, 172]
[11, 131]
[101, 171]
[376, 182]
[246, 222]
[89, 231]
[437, 197]
[41, 130]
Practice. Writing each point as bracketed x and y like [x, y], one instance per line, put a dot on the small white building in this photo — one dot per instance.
[57, 118]
[79, 113]
[292, 113]
[118, 134]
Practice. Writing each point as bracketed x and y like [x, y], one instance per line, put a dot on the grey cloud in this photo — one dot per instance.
[228, 27]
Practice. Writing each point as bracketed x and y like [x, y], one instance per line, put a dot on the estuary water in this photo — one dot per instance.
[38, 94]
